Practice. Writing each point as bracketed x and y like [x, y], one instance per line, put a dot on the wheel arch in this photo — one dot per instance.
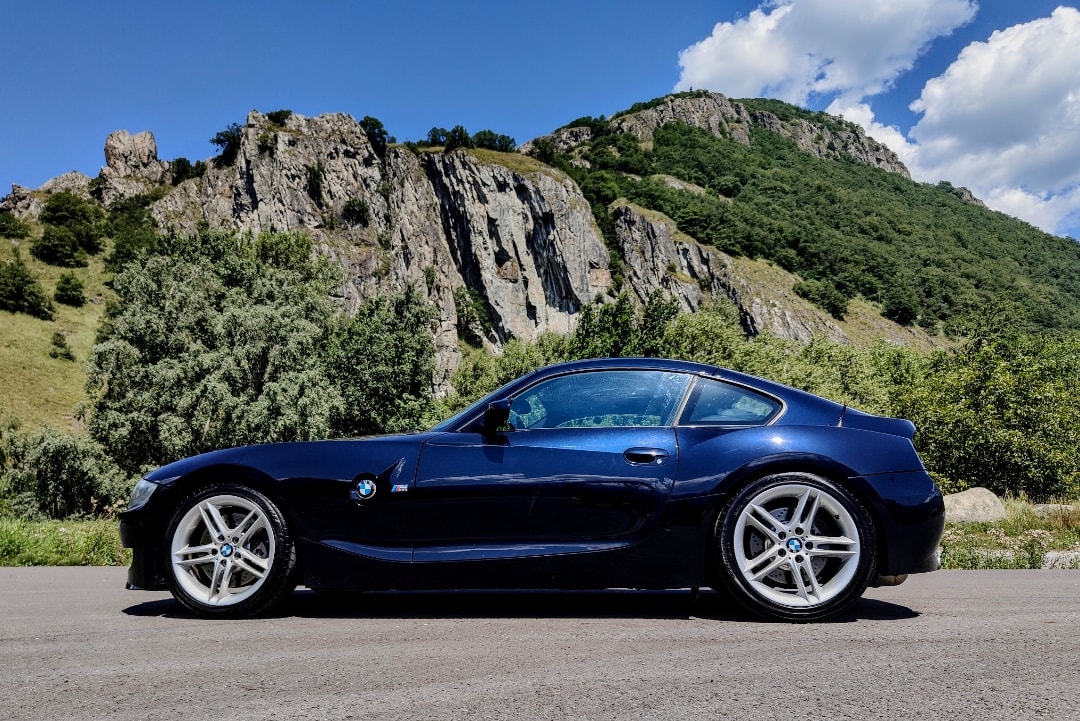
[828, 468]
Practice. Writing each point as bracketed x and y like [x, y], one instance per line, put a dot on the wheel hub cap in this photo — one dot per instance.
[226, 550]
[794, 545]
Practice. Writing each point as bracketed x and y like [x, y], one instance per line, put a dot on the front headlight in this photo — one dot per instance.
[143, 490]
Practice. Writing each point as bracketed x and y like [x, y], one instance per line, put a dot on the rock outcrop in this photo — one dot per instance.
[726, 118]
[975, 505]
[518, 234]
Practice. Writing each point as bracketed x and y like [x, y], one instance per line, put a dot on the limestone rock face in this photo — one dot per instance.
[713, 112]
[131, 166]
[659, 256]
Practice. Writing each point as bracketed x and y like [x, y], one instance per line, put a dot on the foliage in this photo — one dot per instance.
[182, 169]
[315, 175]
[228, 143]
[376, 134]
[61, 543]
[215, 341]
[458, 137]
[60, 349]
[608, 330]
[20, 291]
[823, 294]
[82, 217]
[12, 227]
[59, 475]
[850, 230]
[70, 290]
[58, 246]
[473, 323]
[278, 117]
[1002, 412]
[133, 230]
[356, 212]
[384, 359]
[490, 140]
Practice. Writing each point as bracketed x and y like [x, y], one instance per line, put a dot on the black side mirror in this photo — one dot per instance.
[495, 416]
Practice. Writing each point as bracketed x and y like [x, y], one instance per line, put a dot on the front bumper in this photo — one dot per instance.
[146, 572]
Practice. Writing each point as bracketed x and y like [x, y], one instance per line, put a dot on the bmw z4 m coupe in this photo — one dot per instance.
[612, 473]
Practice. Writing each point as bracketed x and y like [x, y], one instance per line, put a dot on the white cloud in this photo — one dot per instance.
[790, 49]
[1004, 119]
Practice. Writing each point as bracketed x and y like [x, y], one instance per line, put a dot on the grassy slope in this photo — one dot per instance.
[35, 389]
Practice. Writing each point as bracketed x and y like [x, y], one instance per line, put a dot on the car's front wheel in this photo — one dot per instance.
[230, 553]
[795, 547]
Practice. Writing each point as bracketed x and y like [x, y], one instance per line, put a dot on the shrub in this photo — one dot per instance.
[58, 246]
[183, 169]
[69, 290]
[58, 475]
[228, 141]
[81, 217]
[20, 291]
[278, 117]
[356, 212]
[60, 348]
[824, 295]
[490, 140]
[12, 227]
[376, 134]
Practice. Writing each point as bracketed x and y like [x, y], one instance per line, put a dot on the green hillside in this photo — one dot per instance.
[917, 251]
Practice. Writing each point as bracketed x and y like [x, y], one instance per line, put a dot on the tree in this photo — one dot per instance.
[12, 227]
[383, 359]
[20, 291]
[69, 290]
[132, 228]
[458, 137]
[81, 217]
[58, 246]
[490, 140]
[376, 134]
[436, 137]
[216, 340]
[228, 141]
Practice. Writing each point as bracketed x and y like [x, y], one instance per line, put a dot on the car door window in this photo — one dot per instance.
[606, 398]
[714, 402]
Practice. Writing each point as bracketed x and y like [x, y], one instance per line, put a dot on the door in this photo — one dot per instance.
[587, 464]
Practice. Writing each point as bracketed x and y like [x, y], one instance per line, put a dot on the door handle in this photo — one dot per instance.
[645, 456]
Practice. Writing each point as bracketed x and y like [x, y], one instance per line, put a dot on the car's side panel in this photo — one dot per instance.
[540, 492]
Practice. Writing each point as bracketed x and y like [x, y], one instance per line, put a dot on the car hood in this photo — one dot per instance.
[284, 460]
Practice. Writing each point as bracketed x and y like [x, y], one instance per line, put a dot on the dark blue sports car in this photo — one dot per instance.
[616, 473]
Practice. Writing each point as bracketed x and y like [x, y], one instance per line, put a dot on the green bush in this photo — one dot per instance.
[58, 246]
[356, 212]
[228, 143]
[12, 227]
[20, 291]
[83, 218]
[60, 348]
[376, 134]
[69, 290]
[182, 169]
[58, 475]
[824, 295]
[278, 117]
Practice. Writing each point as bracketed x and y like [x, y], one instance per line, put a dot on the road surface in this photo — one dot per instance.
[948, 645]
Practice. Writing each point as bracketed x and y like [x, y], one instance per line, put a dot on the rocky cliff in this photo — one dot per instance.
[516, 232]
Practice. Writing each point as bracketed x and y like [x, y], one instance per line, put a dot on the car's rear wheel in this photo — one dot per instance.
[230, 553]
[795, 547]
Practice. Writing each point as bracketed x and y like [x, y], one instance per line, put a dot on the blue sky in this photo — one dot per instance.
[985, 94]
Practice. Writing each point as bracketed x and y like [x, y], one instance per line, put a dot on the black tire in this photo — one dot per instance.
[795, 569]
[229, 553]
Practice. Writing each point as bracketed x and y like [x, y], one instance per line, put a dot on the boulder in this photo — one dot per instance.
[975, 505]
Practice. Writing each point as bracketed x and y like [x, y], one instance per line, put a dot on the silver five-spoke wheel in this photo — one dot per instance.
[229, 552]
[796, 546]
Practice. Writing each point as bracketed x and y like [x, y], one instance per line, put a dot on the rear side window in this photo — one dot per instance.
[716, 403]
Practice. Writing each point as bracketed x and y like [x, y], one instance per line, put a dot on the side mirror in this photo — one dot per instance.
[495, 416]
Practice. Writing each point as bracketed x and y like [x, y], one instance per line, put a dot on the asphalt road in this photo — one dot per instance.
[948, 645]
